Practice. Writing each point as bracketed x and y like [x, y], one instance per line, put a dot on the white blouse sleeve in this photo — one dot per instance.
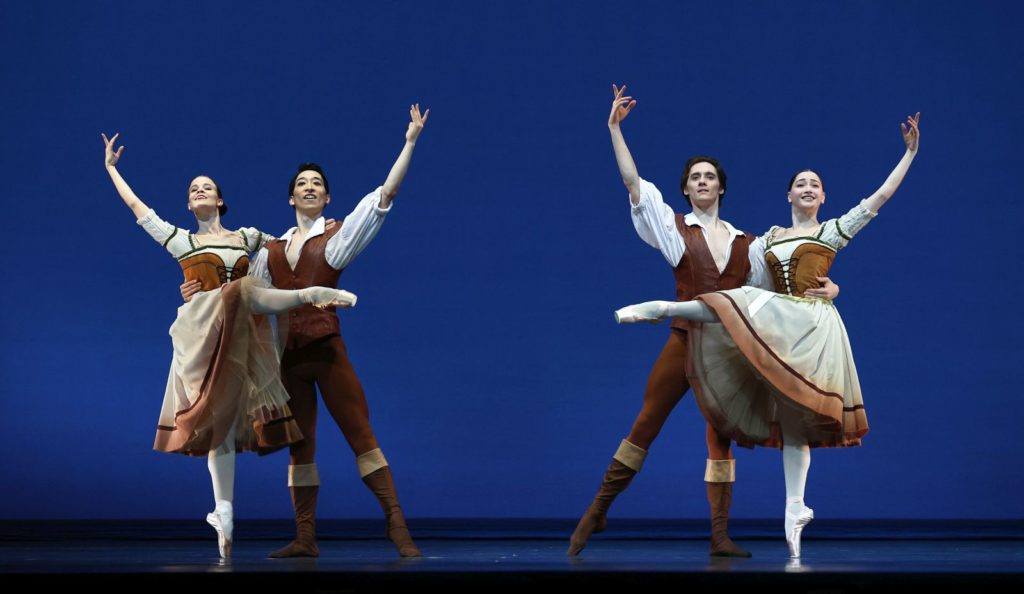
[253, 238]
[357, 231]
[175, 239]
[258, 266]
[759, 276]
[655, 223]
[839, 232]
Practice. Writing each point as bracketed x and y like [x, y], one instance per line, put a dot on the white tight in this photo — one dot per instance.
[272, 301]
[796, 461]
[691, 310]
[221, 463]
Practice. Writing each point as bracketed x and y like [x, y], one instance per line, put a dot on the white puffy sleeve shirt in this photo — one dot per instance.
[357, 231]
[655, 223]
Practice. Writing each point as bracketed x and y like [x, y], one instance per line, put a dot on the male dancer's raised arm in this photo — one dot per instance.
[621, 107]
[401, 166]
[364, 222]
[653, 220]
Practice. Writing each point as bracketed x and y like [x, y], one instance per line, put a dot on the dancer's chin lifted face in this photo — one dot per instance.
[309, 195]
[202, 194]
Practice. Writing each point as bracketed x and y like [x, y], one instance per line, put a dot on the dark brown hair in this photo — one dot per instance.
[309, 167]
[793, 179]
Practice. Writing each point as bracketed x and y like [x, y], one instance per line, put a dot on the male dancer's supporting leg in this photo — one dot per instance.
[346, 401]
[626, 462]
[666, 385]
[376, 474]
[719, 475]
[303, 477]
[326, 362]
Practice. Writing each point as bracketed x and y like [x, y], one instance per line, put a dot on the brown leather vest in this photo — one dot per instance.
[697, 273]
[306, 323]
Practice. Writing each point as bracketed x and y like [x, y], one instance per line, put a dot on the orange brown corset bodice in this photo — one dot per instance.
[209, 269]
[795, 264]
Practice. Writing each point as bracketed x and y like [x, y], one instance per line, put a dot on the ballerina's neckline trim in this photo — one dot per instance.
[198, 247]
[816, 238]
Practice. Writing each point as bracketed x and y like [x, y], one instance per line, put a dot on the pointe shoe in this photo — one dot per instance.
[222, 520]
[794, 526]
[324, 297]
[651, 312]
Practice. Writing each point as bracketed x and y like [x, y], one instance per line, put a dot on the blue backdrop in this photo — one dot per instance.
[499, 385]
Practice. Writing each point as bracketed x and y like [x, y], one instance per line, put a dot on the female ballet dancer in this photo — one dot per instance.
[224, 391]
[778, 370]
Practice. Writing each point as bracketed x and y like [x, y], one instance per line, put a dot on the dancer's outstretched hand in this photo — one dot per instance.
[110, 156]
[417, 123]
[912, 135]
[621, 105]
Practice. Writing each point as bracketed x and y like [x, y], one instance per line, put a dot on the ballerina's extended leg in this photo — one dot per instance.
[272, 301]
[656, 311]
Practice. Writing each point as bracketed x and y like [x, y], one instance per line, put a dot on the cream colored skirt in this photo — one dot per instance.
[225, 372]
[774, 360]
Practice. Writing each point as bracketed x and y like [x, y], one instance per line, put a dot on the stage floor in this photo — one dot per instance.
[472, 555]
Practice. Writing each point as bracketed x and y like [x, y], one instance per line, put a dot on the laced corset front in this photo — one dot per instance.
[795, 262]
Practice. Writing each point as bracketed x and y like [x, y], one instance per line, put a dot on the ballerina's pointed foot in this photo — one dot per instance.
[651, 312]
[795, 522]
[324, 297]
[222, 520]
